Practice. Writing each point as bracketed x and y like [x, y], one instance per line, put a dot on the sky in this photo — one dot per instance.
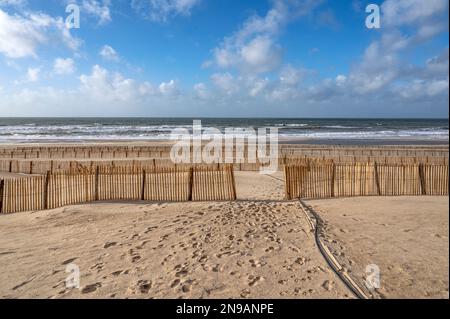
[216, 58]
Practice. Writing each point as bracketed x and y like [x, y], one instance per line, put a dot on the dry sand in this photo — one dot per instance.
[258, 247]
[179, 250]
[254, 186]
[407, 237]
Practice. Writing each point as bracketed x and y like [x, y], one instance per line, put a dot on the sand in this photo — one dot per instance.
[406, 237]
[178, 250]
[260, 246]
[254, 186]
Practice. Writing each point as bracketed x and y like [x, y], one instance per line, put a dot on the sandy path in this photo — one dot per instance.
[407, 237]
[255, 186]
[186, 250]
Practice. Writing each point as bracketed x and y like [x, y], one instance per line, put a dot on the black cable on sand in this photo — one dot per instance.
[330, 259]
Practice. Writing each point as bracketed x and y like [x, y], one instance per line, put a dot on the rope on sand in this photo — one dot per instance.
[316, 223]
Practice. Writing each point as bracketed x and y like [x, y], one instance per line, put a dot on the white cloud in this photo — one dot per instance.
[418, 89]
[260, 55]
[403, 12]
[290, 75]
[33, 74]
[258, 86]
[108, 53]
[21, 35]
[98, 9]
[225, 82]
[254, 47]
[381, 65]
[163, 10]
[104, 85]
[439, 64]
[99, 92]
[169, 88]
[201, 91]
[341, 80]
[147, 88]
[64, 66]
[16, 3]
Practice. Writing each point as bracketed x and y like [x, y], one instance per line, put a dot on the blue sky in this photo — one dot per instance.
[275, 58]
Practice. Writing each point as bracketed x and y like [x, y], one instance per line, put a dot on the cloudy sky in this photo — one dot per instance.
[253, 58]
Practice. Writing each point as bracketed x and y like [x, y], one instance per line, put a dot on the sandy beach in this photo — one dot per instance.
[406, 237]
[260, 246]
[196, 149]
[195, 250]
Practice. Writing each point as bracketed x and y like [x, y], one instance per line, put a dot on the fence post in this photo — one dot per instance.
[233, 182]
[2, 187]
[377, 179]
[422, 179]
[96, 183]
[46, 182]
[333, 173]
[287, 182]
[191, 183]
[143, 185]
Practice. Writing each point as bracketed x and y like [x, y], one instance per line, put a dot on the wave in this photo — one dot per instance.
[157, 129]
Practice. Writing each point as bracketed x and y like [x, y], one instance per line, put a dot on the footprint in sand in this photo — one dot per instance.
[117, 273]
[91, 288]
[254, 280]
[25, 282]
[245, 293]
[175, 283]
[144, 286]
[109, 244]
[98, 266]
[68, 261]
[269, 249]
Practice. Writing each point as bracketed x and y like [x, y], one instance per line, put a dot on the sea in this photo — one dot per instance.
[20, 130]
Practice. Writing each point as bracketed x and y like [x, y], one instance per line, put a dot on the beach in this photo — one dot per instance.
[406, 237]
[256, 153]
[257, 244]
[260, 246]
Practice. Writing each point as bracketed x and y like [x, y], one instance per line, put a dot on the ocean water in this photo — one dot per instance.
[85, 129]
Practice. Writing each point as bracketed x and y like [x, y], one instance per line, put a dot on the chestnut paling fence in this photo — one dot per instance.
[42, 165]
[57, 189]
[327, 179]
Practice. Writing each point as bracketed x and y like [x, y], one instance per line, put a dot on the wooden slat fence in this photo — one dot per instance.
[119, 183]
[355, 180]
[316, 180]
[57, 189]
[435, 179]
[22, 194]
[69, 189]
[399, 180]
[168, 184]
[209, 184]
